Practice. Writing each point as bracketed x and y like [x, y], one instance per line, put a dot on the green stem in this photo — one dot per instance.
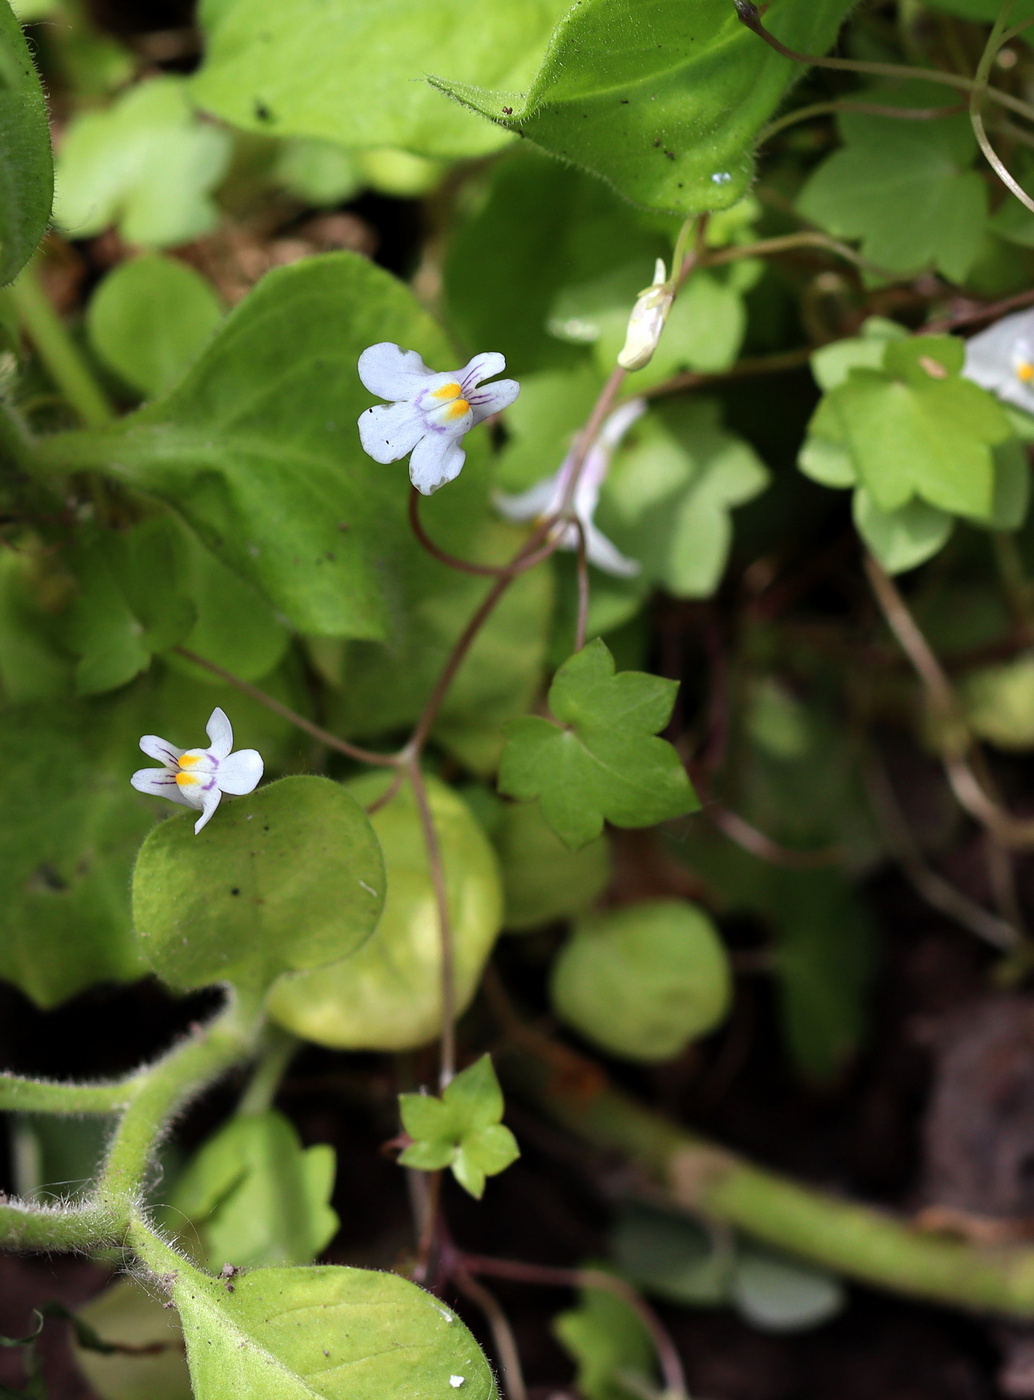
[25, 1226]
[24, 1095]
[162, 1089]
[278, 1050]
[701, 1177]
[15, 442]
[59, 353]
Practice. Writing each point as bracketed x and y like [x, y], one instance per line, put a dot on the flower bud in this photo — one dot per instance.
[647, 321]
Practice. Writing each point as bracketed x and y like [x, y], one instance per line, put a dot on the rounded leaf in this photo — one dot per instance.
[542, 879]
[643, 981]
[288, 878]
[388, 995]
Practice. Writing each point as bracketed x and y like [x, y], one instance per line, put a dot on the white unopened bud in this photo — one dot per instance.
[647, 321]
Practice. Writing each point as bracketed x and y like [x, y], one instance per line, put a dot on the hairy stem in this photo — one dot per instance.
[277, 1049]
[61, 356]
[161, 1090]
[703, 1178]
[20, 1094]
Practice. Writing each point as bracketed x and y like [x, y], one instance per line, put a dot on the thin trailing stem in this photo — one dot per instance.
[452, 561]
[582, 623]
[447, 1064]
[58, 351]
[502, 1332]
[999, 35]
[930, 886]
[550, 1277]
[781, 363]
[788, 243]
[870, 109]
[749, 15]
[968, 790]
[324, 736]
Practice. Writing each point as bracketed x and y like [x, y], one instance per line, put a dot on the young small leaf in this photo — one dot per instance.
[599, 761]
[462, 1129]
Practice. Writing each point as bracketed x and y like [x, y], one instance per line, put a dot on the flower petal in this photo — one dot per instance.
[480, 368]
[390, 431]
[436, 459]
[209, 802]
[160, 749]
[241, 772]
[159, 782]
[606, 556]
[493, 398]
[618, 423]
[391, 372]
[220, 733]
[540, 499]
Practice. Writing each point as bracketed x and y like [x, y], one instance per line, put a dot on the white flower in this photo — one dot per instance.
[647, 321]
[429, 412]
[545, 498]
[1002, 359]
[199, 777]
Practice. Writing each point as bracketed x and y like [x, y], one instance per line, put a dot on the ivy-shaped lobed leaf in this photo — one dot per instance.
[462, 1130]
[599, 760]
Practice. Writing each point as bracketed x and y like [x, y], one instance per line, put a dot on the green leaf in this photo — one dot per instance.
[988, 10]
[661, 98]
[321, 173]
[384, 688]
[540, 228]
[644, 980]
[148, 165]
[911, 431]
[257, 447]
[255, 1196]
[542, 879]
[66, 855]
[606, 1340]
[599, 760]
[149, 319]
[832, 364]
[258, 450]
[904, 538]
[34, 661]
[670, 1256]
[129, 1314]
[904, 188]
[356, 72]
[999, 702]
[462, 1130]
[780, 1295]
[26, 169]
[366, 1335]
[387, 996]
[669, 495]
[288, 878]
[118, 619]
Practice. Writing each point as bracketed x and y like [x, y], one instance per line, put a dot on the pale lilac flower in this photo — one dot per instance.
[429, 412]
[647, 321]
[545, 498]
[1002, 359]
[199, 777]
